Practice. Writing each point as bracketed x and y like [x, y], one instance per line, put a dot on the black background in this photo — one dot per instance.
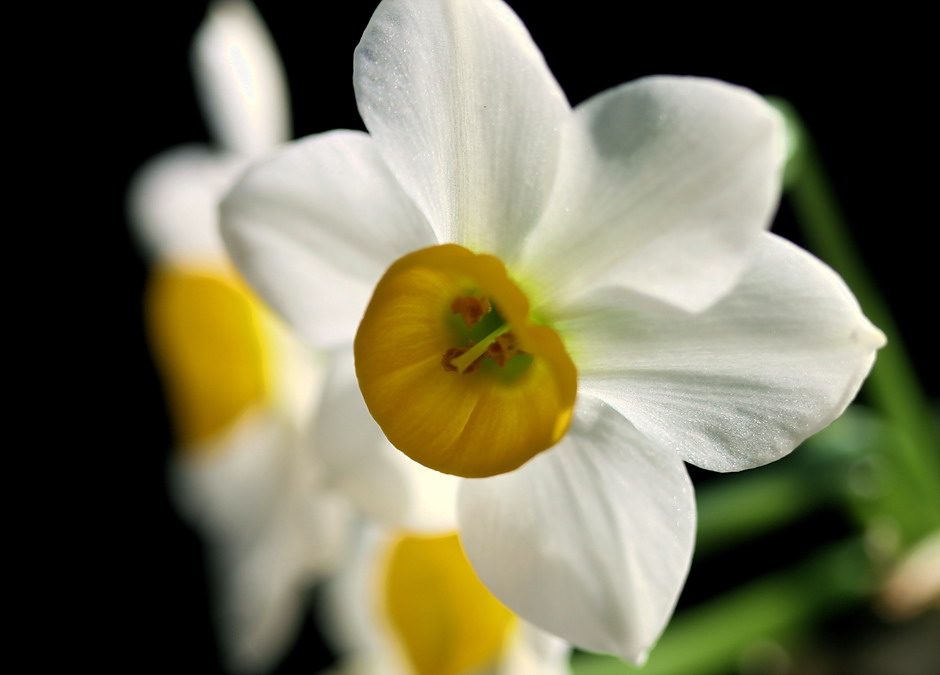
[857, 80]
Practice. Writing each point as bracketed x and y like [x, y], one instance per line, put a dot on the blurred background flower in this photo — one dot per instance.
[239, 387]
[786, 565]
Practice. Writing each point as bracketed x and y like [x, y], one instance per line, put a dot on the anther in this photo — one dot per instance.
[453, 353]
[503, 349]
[471, 308]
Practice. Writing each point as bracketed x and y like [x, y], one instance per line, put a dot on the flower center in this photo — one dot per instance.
[207, 337]
[455, 371]
[498, 344]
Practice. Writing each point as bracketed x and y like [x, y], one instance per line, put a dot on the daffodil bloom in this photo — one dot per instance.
[238, 385]
[555, 307]
[411, 605]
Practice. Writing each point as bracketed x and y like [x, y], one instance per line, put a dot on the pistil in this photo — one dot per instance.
[464, 361]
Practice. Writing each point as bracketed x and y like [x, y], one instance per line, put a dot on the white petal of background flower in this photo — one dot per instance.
[314, 227]
[352, 614]
[590, 540]
[240, 79]
[249, 454]
[356, 623]
[466, 113]
[738, 385]
[270, 528]
[359, 460]
[173, 203]
[663, 186]
[533, 651]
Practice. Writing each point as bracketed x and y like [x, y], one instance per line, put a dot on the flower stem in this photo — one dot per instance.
[733, 511]
[892, 385]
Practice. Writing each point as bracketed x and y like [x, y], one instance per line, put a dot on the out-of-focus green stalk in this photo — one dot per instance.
[823, 470]
[892, 385]
[732, 511]
[709, 639]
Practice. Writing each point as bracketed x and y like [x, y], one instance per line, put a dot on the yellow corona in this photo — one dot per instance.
[456, 371]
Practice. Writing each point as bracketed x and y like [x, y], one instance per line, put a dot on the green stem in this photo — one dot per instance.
[734, 510]
[892, 385]
[825, 470]
[709, 639]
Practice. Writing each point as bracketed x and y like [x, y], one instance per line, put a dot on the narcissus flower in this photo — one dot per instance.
[238, 385]
[559, 306]
[409, 603]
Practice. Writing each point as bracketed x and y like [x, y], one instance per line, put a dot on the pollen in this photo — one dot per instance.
[504, 347]
[471, 308]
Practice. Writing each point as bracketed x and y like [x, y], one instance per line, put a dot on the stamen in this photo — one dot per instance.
[453, 353]
[478, 350]
[503, 349]
[471, 308]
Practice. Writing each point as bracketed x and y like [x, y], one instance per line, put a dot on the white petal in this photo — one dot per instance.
[254, 480]
[269, 532]
[352, 615]
[315, 226]
[465, 111]
[664, 185]
[228, 483]
[262, 596]
[590, 540]
[380, 479]
[173, 203]
[743, 383]
[534, 651]
[298, 371]
[240, 79]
